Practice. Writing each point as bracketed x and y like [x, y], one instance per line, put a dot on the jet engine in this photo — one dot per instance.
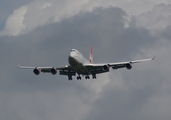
[53, 71]
[105, 68]
[36, 71]
[128, 66]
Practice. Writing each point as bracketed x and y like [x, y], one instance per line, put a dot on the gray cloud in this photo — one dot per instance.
[7, 7]
[119, 94]
[37, 13]
[156, 19]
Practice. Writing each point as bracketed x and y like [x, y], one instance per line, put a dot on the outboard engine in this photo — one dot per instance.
[128, 66]
[105, 68]
[53, 71]
[36, 71]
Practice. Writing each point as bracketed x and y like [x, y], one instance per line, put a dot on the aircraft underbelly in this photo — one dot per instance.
[82, 70]
[77, 64]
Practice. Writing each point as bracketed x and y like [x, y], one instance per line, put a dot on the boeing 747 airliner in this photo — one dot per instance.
[78, 66]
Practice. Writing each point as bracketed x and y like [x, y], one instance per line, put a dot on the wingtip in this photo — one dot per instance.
[19, 65]
[153, 57]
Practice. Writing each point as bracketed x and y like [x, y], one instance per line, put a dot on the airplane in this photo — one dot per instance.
[78, 66]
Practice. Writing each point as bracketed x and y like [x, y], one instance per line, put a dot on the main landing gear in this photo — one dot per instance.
[79, 77]
[69, 77]
[94, 76]
[87, 77]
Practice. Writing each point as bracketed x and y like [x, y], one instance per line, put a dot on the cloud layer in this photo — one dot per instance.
[38, 12]
[43, 32]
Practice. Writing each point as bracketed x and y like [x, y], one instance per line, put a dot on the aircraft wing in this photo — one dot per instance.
[90, 68]
[31, 67]
[67, 70]
[126, 64]
[104, 67]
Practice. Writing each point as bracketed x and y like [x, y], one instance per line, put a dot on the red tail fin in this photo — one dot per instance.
[91, 55]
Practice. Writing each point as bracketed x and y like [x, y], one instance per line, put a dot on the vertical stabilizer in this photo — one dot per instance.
[91, 55]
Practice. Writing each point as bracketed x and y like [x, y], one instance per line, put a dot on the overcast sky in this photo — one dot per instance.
[42, 32]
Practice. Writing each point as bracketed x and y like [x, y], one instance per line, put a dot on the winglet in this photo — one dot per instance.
[91, 55]
[19, 65]
[153, 58]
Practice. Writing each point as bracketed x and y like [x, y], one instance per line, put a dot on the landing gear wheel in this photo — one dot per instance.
[87, 77]
[69, 77]
[94, 76]
[78, 77]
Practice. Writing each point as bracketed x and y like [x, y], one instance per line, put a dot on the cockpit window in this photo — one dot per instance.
[72, 49]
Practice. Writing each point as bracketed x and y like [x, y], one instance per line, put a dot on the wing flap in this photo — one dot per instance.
[118, 66]
[67, 72]
[95, 68]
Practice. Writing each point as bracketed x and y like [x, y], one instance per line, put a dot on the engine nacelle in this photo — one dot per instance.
[36, 71]
[105, 68]
[128, 66]
[53, 71]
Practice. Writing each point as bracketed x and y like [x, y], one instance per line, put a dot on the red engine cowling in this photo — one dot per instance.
[53, 71]
[105, 68]
[36, 71]
[128, 66]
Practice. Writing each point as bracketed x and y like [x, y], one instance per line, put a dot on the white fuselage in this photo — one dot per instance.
[77, 61]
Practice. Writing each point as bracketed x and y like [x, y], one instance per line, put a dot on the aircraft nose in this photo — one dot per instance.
[70, 57]
[71, 54]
